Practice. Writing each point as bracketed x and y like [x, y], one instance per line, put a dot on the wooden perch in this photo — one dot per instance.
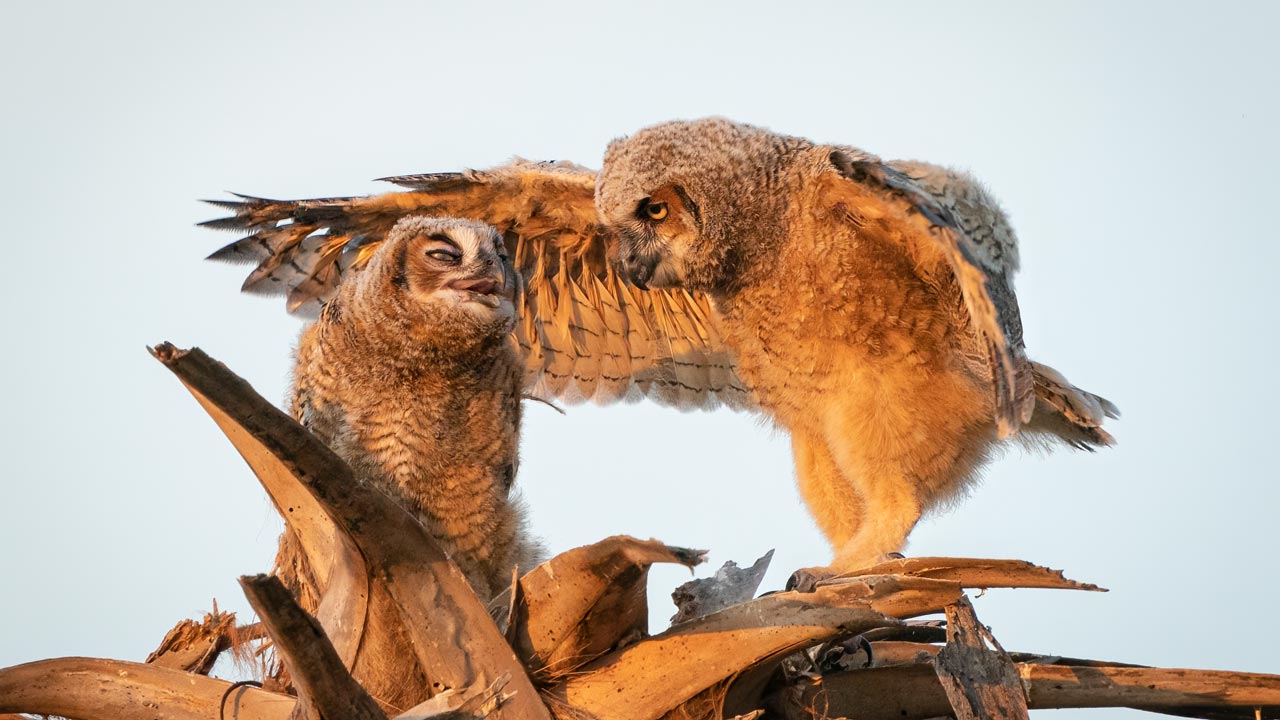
[93, 689]
[456, 643]
[981, 683]
[644, 681]
[326, 691]
[581, 603]
[979, 574]
[914, 692]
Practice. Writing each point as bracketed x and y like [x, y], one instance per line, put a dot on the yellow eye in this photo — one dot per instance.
[656, 211]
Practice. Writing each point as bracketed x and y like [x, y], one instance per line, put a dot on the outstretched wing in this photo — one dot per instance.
[586, 334]
[968, 228]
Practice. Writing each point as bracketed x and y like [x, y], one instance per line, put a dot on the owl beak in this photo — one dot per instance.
[481, 286]
[638, 268]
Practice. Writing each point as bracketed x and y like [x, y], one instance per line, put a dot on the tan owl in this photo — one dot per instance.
[867, 307]
[410, 375]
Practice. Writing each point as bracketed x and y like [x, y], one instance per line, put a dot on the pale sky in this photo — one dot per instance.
[1132, 144]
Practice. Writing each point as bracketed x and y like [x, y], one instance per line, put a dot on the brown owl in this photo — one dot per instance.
[410, 375]
[867, 307]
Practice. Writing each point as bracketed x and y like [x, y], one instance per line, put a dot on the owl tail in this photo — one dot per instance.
[1067, 413]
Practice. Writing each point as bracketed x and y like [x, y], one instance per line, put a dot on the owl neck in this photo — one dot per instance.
[446, 349]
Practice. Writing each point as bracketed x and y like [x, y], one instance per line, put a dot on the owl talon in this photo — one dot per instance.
[832, 658]
[806, 580]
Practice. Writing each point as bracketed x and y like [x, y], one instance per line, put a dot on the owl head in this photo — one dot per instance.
[690, 202]
[439, 279]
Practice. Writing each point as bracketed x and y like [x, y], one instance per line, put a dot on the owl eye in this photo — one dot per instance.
[444, 255]
[656, 211]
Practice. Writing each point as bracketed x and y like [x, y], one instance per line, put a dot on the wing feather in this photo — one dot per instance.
[982, 256]
[585, 334]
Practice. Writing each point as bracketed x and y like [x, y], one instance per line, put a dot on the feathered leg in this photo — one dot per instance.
[830, 496]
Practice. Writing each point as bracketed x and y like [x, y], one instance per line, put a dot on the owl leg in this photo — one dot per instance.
[890, 506]
[892, 511]
[830, 495]
[831, 499]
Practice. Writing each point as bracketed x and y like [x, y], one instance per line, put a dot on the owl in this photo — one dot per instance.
[866, 307]
[409, 374]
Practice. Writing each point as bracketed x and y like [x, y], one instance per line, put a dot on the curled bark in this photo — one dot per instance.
[581, 603]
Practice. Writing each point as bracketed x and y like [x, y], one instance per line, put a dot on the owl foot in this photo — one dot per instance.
[807, 579]
[837, 656]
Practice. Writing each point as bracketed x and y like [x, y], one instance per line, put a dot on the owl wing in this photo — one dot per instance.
[972, 233]
[585, 333]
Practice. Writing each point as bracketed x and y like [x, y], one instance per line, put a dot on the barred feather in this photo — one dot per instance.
[585, 334]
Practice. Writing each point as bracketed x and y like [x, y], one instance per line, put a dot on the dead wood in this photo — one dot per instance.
[455, 641]
[648, 679]
[93, 689]
[583, 602]
[976, 573]
[326, 691]
[1191, 693]
[729, 586]
[453, 705]
[981, 683]
[280, 452]
[194, 646]
[914, 692]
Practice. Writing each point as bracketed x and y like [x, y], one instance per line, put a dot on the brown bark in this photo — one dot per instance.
[326, 691]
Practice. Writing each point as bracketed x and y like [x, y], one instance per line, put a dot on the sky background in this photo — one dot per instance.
[1133, 144]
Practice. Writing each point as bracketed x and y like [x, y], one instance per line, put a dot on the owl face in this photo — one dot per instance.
[658, 238]
[450, 269]
[686, 200]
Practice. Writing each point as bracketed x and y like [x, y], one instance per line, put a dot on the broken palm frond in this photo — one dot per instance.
[650, 678]
[372, 546]
[978, 574]
[395, 613]
[195, 646]
[580, 604]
